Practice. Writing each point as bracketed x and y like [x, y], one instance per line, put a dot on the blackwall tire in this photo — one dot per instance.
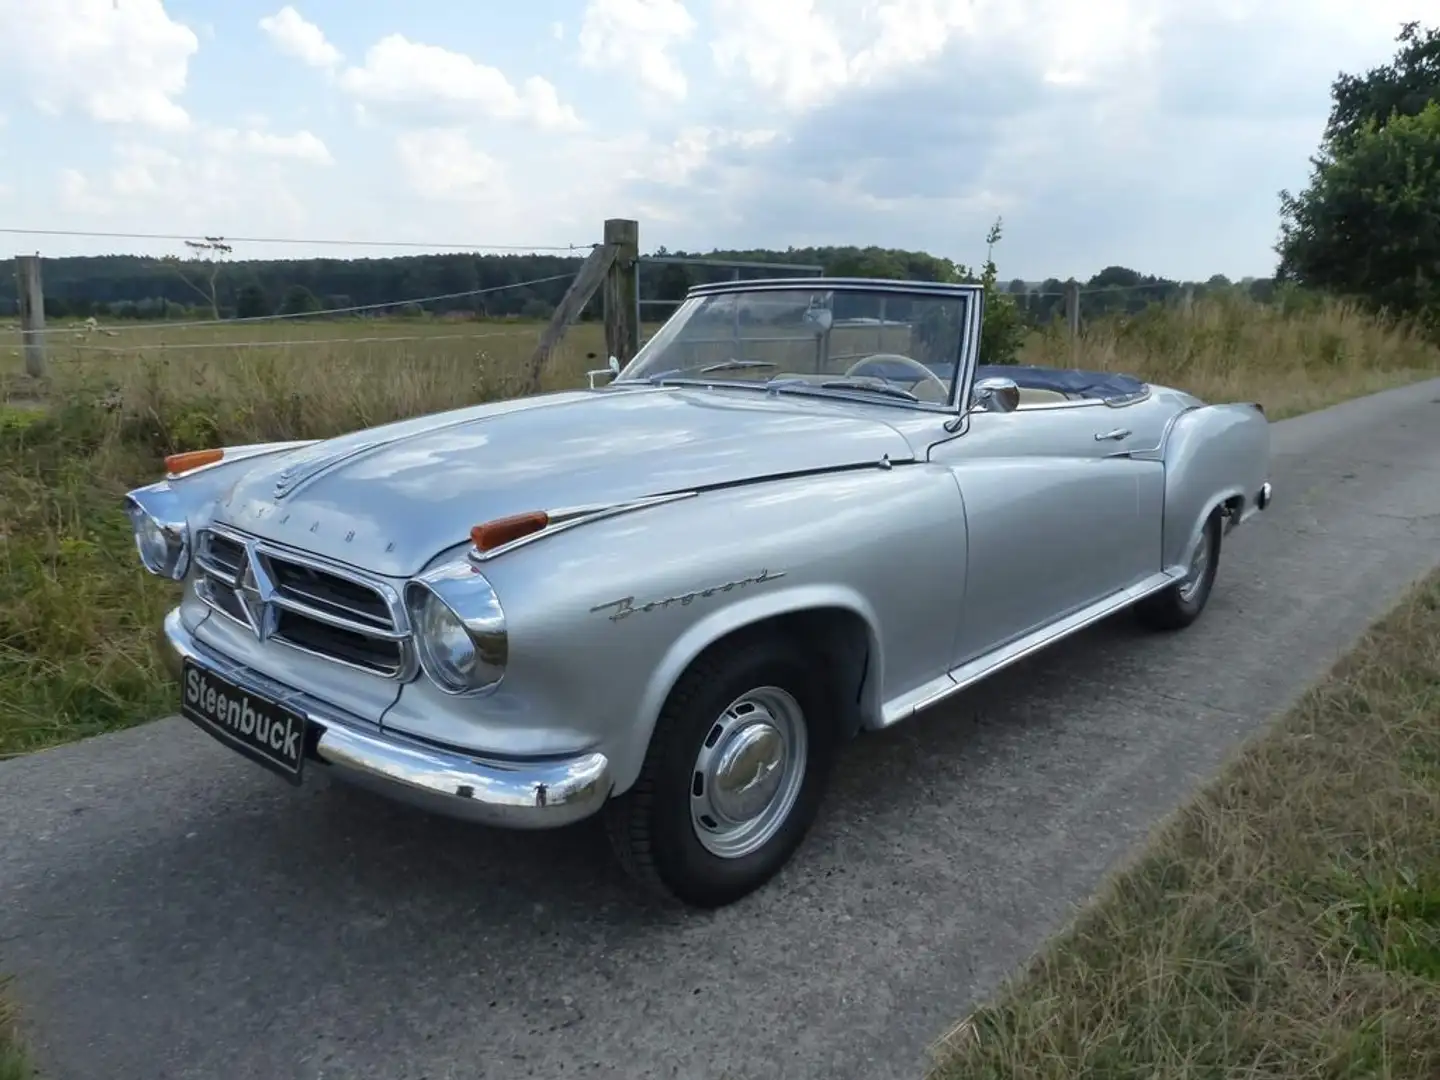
[1182, 603]
[734, 776]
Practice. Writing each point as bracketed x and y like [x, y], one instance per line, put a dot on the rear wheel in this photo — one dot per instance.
[734, 775]
[1181, 604]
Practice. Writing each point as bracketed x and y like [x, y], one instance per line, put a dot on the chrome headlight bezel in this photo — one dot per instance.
[161, 531]
[458, 598]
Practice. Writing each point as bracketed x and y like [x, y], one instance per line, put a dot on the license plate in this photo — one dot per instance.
[257, 727]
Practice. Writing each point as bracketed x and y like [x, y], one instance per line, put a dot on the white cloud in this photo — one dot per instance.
[637, 36]
[224, 181]
[692, 149]
[401, 72]
[804, 52]
[442, 165]
[295, 36]
[114, 63]
[299, 146]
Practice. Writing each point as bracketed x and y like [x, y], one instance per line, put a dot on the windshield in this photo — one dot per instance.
[897, 345]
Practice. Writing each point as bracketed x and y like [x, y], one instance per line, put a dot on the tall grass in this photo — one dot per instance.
[77, 616]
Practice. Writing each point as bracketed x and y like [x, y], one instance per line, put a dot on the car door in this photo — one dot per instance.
[1057, 515]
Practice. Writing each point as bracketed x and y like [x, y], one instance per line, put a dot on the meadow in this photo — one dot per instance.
[78, 617]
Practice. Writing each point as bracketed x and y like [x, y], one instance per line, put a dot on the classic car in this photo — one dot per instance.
[803, 511]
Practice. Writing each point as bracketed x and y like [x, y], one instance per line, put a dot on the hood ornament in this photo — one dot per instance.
[307, 468]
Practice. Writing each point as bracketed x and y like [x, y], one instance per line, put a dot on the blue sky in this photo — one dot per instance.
[1149, 133]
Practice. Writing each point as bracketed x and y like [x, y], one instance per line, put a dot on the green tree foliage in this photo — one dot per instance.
[298, 300]
[135, 287]
[250, 302]
[1368, 224]
[1401, 88]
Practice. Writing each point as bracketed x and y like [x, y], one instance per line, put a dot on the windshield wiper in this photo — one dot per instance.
[875, 388]
[736, 365]
[723, 365]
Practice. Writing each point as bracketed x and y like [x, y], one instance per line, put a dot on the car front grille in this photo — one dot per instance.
[312, 606]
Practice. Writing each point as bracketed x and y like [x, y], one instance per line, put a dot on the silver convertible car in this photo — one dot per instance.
[803, 511]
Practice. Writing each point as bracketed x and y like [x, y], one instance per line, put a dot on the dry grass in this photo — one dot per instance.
[13, 1062]
[77, 616]
[1292, 362]
[1285, 924]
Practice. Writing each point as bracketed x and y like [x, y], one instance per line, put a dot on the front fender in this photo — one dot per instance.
[1215, 456]
[605, 617]
[753, 610]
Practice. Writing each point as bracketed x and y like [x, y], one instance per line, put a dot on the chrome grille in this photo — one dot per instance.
[283, 596]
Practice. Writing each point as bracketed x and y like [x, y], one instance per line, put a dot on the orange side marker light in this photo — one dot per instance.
[493, 534]
[175, 464]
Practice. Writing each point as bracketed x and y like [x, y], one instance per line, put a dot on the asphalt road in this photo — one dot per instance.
[170, 911]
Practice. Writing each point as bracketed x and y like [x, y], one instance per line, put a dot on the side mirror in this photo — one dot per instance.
[611, 369]
[995, 394]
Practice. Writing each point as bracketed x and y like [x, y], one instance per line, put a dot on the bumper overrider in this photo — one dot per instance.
[518, 795]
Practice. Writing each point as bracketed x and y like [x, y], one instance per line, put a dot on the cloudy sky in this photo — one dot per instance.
[1150, 133]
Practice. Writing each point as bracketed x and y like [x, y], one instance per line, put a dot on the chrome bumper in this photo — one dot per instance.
[530, 795]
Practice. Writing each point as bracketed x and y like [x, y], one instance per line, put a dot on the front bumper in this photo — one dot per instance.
[517, 795]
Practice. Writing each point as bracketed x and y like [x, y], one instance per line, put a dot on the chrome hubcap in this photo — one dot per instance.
[1199, 563]
[748, 772]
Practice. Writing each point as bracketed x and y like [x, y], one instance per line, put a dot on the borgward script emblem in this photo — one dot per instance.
[256, 591]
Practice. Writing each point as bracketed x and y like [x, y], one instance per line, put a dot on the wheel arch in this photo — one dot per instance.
[1216, 458]
[835, 622]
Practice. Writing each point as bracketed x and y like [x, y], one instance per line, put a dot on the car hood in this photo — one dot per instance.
[390, 498]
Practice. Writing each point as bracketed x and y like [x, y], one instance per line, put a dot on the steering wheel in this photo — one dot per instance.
[914, 365]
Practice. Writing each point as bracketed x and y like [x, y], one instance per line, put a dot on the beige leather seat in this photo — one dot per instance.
[1030, 395]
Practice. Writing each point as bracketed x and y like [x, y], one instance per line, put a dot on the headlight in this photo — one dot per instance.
[459, 630]
[162, 534]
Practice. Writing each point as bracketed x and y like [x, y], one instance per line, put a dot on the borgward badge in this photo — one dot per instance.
[256, 591]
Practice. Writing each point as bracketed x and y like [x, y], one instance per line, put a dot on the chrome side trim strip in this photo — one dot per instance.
[987, 664]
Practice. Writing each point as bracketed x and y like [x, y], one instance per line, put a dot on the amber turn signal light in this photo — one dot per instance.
[191, 459]
[492, 534]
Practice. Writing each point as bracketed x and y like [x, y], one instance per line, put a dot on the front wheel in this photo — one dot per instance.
[1181, 604]
[734, 775]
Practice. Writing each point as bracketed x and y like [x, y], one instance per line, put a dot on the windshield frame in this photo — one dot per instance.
[965, 359]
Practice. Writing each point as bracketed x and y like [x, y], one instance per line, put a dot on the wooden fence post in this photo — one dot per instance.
[587, 279]
[621, 295]
[1072, 316]
[32, 313]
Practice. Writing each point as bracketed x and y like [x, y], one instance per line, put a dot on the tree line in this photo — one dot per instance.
[138, 287]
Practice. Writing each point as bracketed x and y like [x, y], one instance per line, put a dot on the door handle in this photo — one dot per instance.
[1118, 434]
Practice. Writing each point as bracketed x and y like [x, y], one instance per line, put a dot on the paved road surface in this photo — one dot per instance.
[172, 912]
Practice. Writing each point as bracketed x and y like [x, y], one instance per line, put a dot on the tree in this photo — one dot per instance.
[1368, 223]
[298, 300]
[1003, 331]
[1401, 88]
[206, 260]
[251, 302]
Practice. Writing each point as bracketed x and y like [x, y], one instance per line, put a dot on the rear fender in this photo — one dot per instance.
[1216, 457]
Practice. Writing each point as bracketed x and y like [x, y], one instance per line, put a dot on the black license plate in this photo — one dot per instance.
[259, 728]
